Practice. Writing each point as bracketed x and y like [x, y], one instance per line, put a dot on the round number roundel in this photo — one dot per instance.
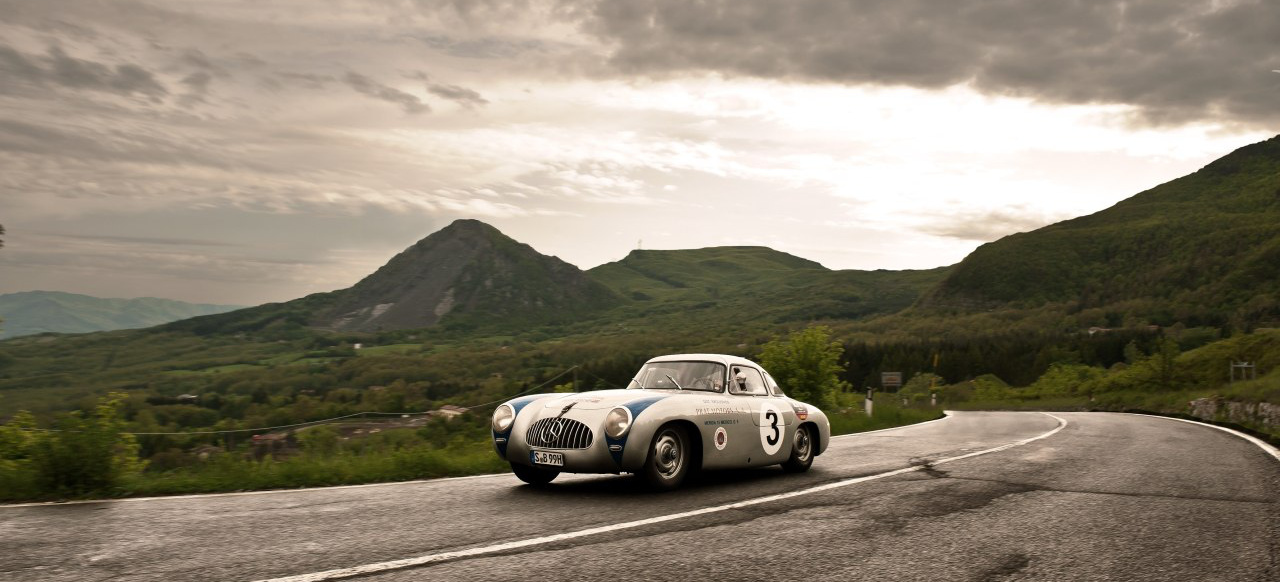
[722, 438]
[771, 428]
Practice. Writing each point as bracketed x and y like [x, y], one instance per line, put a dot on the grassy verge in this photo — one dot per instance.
[228, 473]
[886, 414]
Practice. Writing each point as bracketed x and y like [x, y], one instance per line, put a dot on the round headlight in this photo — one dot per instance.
[503, 417]
[617, 423]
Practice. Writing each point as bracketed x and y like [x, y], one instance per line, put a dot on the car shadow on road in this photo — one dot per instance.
[771, 479]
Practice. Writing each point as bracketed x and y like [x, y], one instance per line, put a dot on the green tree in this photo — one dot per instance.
[319, 440]
[1063, 379]
[807, 365]
[87, 454]
[1164, 364]
[17, 437]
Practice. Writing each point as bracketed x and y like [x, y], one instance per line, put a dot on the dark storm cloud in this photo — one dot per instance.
[362, 84]
[461, 95]
[197, 59]
[308, 80]
[124, 79]
[1176, 60]
[59, 68]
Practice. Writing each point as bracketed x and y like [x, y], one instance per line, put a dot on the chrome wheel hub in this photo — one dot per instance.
[668, 457]
[802, 444]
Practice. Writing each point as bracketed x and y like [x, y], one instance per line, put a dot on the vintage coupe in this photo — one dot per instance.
[680, 413]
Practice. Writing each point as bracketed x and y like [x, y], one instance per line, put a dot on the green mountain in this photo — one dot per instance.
[1203, 249]
[33, 312]
[755, 284]
[465, 275]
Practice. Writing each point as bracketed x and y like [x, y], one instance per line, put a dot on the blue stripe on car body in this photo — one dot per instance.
[517, 405]
[636, 407]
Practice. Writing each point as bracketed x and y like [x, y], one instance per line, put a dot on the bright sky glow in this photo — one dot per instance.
[225, 152]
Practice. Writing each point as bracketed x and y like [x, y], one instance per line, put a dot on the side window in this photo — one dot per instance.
[773, 385]
[754, 384]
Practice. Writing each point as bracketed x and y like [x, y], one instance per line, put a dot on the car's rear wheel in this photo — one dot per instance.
[801, 451]
[670, 457]
[533, 475]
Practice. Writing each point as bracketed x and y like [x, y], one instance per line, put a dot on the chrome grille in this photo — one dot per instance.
[559, 433]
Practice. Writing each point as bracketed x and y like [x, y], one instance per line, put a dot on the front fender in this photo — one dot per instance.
[819, 419]
[646, 424]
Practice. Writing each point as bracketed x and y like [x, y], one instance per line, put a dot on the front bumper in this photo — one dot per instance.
[594, 459]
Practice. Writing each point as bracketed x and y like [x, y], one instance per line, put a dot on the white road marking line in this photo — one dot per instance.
[443, 556]
[1255, 440]
[243, 493]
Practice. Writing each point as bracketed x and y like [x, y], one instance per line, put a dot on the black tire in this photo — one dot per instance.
[669, 460]
[801, 451]
[533, 475]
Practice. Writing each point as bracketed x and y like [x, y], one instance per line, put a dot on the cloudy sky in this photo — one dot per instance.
[240, 152]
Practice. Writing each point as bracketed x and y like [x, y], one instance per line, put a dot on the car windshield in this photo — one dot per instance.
[706, 376]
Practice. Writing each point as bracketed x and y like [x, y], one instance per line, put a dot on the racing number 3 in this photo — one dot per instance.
[771, 424]
[772, 417]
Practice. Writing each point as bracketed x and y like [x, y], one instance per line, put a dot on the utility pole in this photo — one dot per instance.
[933, 380]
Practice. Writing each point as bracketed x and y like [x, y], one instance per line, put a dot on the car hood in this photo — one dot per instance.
[606, 399]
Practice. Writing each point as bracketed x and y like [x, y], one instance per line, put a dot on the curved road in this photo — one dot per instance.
[1105, 497]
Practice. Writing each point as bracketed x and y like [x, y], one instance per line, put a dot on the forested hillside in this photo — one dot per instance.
[1202, 250]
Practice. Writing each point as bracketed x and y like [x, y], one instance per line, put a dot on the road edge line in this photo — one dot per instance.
[379, 567]
[1264, 445]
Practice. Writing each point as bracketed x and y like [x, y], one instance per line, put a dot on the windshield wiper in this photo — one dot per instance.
[673, 381]
[637, 383]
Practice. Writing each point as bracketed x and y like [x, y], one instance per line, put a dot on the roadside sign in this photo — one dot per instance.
[890, 380]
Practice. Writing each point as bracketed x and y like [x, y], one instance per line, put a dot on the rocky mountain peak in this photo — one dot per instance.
[469, 272]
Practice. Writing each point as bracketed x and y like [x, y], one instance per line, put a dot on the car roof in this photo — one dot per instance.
[721, 358]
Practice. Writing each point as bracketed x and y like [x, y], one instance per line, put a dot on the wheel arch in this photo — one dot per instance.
[815, 433]
[695, 439]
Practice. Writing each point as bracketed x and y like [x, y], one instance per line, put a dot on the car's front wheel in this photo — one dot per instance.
[533, 475]
[801, 451]
[670, 455]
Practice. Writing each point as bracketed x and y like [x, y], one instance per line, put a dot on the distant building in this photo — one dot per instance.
[448, 411]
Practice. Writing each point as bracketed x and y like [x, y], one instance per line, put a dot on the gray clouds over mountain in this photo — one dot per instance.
[410, 102]
[1174, 60]
[321, 137]
[57, 68]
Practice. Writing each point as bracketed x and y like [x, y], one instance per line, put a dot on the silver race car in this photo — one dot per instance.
[680, 413]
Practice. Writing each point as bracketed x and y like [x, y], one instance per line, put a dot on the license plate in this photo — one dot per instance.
[546, 458]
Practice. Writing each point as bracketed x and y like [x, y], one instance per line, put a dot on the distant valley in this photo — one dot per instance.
[33, 312]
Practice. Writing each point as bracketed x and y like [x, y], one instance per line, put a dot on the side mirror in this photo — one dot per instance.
[741, 381]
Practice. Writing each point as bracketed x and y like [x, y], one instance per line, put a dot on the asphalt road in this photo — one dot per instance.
[1107, 497]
